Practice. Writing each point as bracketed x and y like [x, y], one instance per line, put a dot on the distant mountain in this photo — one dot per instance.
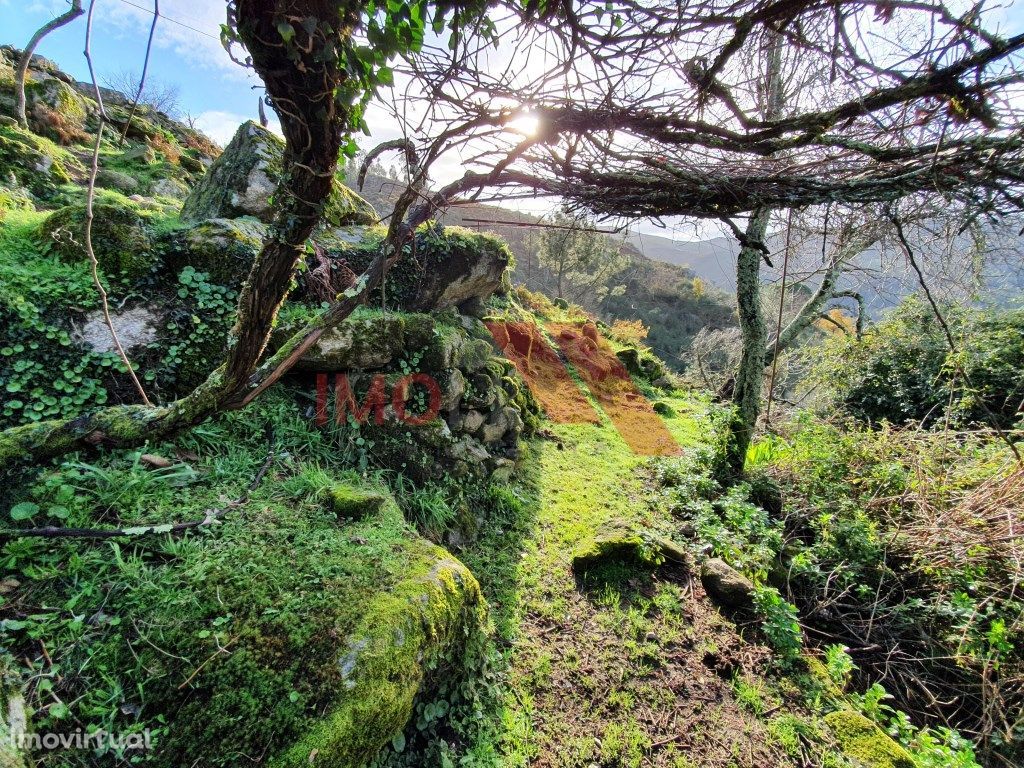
[712, 260]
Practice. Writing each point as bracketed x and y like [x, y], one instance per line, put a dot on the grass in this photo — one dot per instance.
[229, 636]
[614, 669]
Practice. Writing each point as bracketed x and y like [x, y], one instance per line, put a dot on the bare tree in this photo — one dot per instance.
[657, 111]
[26, 55]
[158, 95]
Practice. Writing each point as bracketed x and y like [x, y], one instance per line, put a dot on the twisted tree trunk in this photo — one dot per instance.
[746, 390]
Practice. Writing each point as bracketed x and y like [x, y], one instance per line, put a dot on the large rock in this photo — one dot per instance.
[242, 181]
[725, 585]
[222, 248]
[447, 267]
[362, 342]
[119, 238]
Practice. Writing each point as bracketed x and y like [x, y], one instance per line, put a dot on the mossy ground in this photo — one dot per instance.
[628, 665]
[234, 639]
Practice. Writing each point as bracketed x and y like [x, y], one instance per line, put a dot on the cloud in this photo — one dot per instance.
[220, 126]
[189, 28]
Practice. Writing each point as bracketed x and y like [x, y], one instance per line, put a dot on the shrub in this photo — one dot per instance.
[903, 369]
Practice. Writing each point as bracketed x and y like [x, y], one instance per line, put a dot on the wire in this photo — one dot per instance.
[165, 17]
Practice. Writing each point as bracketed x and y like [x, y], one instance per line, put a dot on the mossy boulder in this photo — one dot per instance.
[35, 162]
[366, 340]
[171, 188]
[222, 248]
[623, 544]
[56, 110]
[354, 502]
[865, 743]
[119, 238]
[281, 633]
[109, 178]
[15, 199]
[404, 633]
[725, 585]
[242, 182]
[446, 266]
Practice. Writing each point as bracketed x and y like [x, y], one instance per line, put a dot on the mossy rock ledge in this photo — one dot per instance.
[865, 743]
[222, 248]
[242, 182]
[446, 266]
[330, 627]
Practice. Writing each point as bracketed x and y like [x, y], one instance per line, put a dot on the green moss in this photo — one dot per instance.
[865, 742]
[224, 249]
[35, 162]
[404, 633]
[663, 409]
[345, 207]
[311, 617]
[16, 199]
[353, 502]
[416, 282]
[119, 238]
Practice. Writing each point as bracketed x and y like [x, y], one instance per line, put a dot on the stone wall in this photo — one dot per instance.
[484, 407]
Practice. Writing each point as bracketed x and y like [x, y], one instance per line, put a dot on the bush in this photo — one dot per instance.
[903, 370]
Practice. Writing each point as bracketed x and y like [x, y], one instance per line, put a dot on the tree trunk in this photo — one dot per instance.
[26, 56]
[746, 393]
[746, 389]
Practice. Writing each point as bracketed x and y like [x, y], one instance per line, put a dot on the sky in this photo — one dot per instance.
[219, 93]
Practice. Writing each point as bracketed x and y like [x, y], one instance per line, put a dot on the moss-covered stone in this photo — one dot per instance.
[367, 340]
[15, 199]
[867, 744]
[475, 354]
[222, 248]
[35, 162]
[242, 182]
[119, 238]
[110, 178]
[663, 409]
[642, 364]
[404, 633]
[345, 207]
[354, 502]
[57, 111]
[614, 543]
[446, 267]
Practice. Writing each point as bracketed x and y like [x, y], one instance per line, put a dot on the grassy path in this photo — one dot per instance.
[632, 666]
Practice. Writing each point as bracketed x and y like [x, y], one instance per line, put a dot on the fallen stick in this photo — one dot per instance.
[209, 517]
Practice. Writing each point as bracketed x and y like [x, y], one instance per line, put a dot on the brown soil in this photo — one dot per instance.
[610, 383]
[544, 372]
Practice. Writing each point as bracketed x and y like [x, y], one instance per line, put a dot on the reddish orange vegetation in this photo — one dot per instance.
[544, 372]
[609, 382]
